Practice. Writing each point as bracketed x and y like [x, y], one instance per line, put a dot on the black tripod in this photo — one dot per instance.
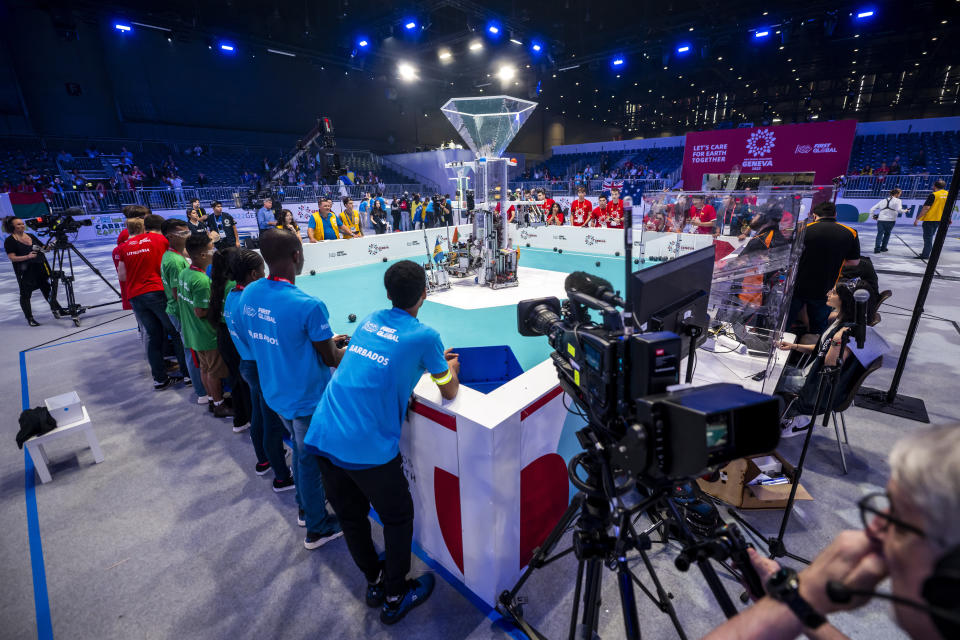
[826, 387]
[61, 270]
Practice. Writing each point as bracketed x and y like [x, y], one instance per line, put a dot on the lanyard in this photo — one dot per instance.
[279, 279]
[195, 268]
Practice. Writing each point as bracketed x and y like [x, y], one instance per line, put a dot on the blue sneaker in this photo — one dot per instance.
[417, 592]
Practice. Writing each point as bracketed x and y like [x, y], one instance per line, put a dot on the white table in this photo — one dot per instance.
[726, 366]
[39, 455]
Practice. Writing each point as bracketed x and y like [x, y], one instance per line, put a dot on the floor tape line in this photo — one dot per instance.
[41, 599]
[100, 335]
[492, 614]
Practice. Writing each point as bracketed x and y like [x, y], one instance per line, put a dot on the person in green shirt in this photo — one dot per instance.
[177, 232]
[193, 298]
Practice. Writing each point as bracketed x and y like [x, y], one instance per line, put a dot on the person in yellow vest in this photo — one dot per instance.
[323, 224]
[350, 218]
[930, 215]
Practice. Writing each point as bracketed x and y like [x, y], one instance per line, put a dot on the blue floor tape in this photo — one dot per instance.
[41, 599]
[498, 620]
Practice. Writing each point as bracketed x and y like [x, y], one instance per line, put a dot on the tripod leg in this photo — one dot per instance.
[575, 611]
[92, 268]
[719, 592]
[665, 601]
[591, 599]
[628, 602]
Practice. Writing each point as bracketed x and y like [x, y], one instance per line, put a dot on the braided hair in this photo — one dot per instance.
[234, 264]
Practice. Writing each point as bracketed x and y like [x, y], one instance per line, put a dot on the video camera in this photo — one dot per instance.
[618, 369]
[58, 223]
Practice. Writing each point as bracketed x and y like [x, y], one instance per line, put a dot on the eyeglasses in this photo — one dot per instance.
[876, 512]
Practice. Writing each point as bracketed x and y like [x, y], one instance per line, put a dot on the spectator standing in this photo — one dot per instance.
[174, 261]
[828, 247]
[221, 283]
[580, 209]
[615, 210]
[598, 218]
[266, 429]
[193, 296]
[403, 207]
[202, 180]
[288, 334]
[176, 183]
[930, 214]
[265, 216]
[129, 211]
[224, 225]
[30, 267]
[140, 259]
[358, 443]
[885, 213]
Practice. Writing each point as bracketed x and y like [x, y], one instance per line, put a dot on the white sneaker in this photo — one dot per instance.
[795, 426]
[203, 399]
[241, 428]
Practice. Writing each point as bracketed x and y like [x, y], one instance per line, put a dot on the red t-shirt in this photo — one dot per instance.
[124, 298]
[123, 237]
[559, 218]
[707, 214]
[599, 217]
[580, 212]
[547, 204]
[142, 255]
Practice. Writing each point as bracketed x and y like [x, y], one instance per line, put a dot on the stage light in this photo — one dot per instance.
[226, 46]
[536, 47]
[282, 53]
[868, 13]
[125, 28]
[476, 45]
[506, 73]
[618, 61]
[445, 54]
[493, 29]
[407, 71]
[761, 33]
[515, 41]
[362, 42]
[410, 25]
[685, 48]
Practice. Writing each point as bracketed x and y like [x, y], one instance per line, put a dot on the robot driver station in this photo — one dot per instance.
[488, 471]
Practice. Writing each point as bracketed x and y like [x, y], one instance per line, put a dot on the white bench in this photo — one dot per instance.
[39, 455]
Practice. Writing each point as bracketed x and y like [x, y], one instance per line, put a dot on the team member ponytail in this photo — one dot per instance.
[219, 275]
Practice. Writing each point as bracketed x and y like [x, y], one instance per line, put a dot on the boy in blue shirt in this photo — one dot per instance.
[287, 332]
[358, 443]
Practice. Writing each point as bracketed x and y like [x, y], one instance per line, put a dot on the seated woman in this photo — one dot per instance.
[800, 385]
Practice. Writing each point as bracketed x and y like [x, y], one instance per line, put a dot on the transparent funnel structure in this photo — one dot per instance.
[488, 125]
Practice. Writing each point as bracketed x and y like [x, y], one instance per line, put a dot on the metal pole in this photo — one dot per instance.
[927, 281]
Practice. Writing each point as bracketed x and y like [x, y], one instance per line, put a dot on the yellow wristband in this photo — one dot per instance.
[443, 379]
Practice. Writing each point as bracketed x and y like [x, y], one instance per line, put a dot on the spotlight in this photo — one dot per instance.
[362, 42]
[410, 25]
[407, 71]
[226, 46]
[515, 41]
[280, 52]
[618, 61]
[125, 28]
[684, 48]
[476, 45]
[445, 54]
[761, 33]
[506, 73]
[867, 13]
[493, 29]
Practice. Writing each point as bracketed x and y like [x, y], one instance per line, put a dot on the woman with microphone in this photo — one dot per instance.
[29, 264]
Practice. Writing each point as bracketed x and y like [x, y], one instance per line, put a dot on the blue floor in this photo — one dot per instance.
[359, 290]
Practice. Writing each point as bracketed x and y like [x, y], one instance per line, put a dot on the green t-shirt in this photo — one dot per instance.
[171, 266]
[193, 292]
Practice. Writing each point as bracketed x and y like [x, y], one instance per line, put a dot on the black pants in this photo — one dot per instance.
[351, 494]
[26, 291]
[239, 389]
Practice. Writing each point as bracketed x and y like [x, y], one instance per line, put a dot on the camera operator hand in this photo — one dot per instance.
[854, 559]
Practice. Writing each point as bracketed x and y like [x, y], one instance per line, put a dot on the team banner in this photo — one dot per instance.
[822, 148]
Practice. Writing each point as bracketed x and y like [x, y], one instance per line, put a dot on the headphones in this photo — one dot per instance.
[940, 592]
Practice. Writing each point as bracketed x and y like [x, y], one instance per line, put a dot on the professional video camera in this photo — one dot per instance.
[58, 223]
[643, 442]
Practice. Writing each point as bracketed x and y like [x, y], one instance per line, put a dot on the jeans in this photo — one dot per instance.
[151, 311]
[352, 492]
[929, 231]
[818, 313]
[266, 430]
[195, 379]
[306, 473]
[405, 222]
[884, 229]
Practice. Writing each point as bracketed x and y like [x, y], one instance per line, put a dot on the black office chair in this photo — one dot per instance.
[845, 403]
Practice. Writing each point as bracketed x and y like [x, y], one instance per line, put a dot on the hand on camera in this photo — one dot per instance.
[852, 558]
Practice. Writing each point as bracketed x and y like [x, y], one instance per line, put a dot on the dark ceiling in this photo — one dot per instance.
[687, 64]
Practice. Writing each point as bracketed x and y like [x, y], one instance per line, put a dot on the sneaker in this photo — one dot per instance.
[316, 539]
[210, 404]
[160, 386]
[222, 411]
[242, 427]
[279, 486]
[795, 426]
[376, 592]
[186, 381]
[884, 250]
[417, 592]
[262, 468]
[301, 518]
[203, 399]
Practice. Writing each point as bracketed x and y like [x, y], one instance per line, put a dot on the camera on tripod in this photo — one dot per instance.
[58, 224]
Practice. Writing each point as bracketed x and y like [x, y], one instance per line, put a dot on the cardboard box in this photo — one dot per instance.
[733, 487]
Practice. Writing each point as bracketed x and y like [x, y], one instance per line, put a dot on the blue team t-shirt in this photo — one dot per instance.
[328, 233]
[280, 323]
[232, 310]
[357, 423]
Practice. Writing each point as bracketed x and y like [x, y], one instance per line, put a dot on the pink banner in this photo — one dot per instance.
[819, 147]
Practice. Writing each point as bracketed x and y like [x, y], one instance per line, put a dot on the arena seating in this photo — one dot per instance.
[930, 152]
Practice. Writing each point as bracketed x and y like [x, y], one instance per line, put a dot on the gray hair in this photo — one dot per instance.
[926, 466]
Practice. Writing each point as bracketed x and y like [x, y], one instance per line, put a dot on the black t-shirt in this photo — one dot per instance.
[827, 244]
[17, 248]
[226, 226]
[929, 201]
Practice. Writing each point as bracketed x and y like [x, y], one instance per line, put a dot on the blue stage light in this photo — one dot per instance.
[362, 42]
[761, 33]
[410, 25]
[123, 27]
[685, 48]
[618, 61]
[865, 13]
[493, 28]
[226, 46]
[536, 47]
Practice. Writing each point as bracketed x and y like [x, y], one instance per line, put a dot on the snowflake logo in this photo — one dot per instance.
[590, 240]
[373, 249]
[760, 143]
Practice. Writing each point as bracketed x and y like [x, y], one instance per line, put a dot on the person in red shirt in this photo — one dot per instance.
[139, 267]
[545, 202]
[555, 215]
[598, 218]
[129, 211]
[580, 209]
[615, 210]
[702, 216]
